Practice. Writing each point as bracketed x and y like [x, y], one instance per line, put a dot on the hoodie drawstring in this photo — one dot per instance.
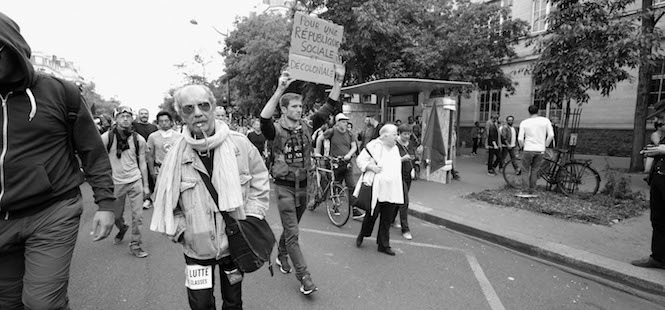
[33, 105]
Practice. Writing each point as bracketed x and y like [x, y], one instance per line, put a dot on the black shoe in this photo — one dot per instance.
[648, 262]
[388, 251]
[359, 240]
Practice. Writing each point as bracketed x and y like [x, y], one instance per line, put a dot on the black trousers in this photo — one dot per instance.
[231, 294]
[403, 210]
[657, 205]
[476, 142]
[494, 159]
[386, 210]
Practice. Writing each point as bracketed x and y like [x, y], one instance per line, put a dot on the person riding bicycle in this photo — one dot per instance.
[342, 145]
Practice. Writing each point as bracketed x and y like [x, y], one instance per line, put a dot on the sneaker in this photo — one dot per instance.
[147, 204]
[307, 286]
[121, 234]
[336, 211]
[648, 262]
[138, 252]
[519, 172]
[491, 172]
[407, 235]
[357, 214]
[284, 266]
[396, 224]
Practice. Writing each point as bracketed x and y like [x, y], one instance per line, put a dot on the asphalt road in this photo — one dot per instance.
[438, 269]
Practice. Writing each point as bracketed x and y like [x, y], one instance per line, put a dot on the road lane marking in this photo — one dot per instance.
[485, 285]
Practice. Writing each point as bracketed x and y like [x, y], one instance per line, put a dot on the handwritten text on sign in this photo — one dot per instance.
[314, 37]
[307, 69]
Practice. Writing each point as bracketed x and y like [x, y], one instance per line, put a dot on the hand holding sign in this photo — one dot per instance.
[284, 81]
[340, 71]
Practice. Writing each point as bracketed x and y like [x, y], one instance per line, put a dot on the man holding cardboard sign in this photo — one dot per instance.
[292, 149]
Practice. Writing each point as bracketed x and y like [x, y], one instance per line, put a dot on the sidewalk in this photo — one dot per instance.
[604, 251]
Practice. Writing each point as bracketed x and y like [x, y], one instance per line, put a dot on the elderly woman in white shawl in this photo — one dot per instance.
[382, 167]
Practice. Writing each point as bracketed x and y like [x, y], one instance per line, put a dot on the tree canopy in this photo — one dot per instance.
[433, 39]
[255, 53]
[590, 45]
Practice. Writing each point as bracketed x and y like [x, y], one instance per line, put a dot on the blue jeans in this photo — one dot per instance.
[531, 162]
[290, 216]
[35, 256]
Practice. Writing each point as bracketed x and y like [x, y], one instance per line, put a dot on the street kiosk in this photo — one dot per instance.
[391, 98]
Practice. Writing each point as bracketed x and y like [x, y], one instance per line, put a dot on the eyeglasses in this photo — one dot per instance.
[203, 106]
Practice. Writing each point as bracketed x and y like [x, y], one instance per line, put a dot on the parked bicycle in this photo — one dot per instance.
[574, 178]
[327, 189]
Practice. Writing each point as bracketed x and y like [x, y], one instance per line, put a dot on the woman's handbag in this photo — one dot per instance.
[250, 240]
[364, 199]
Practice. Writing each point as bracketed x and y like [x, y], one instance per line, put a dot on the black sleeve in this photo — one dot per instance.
[96, 164]
[376, 131]
[268, 128]
[320, 117]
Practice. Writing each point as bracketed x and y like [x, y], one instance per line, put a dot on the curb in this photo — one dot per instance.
[586, 262]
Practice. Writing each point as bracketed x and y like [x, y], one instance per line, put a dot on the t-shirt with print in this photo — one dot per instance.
[340, 142]
[161, 142]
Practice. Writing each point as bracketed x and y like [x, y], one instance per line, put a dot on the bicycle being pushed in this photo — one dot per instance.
[573, 178]
[329, 190]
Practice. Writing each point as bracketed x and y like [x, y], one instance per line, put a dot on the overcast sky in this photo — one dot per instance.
[129, 47]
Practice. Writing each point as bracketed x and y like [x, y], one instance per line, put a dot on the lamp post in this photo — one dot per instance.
[193, 21]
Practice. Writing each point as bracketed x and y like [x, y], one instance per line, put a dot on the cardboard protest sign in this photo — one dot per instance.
[314, 49]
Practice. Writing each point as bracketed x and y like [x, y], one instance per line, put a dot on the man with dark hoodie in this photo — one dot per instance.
[40, 199]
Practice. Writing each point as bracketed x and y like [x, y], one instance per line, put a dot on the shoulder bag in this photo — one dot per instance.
[250, 240]
[364, 199]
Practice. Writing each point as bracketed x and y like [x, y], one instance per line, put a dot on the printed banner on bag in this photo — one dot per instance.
[198, 277]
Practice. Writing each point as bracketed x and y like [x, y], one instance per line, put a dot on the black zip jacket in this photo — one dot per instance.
[37, 163]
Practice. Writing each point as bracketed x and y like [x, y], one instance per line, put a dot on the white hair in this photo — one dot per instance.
[387, 129]
[179, 95]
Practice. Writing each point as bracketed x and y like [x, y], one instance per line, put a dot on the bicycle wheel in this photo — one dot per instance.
[512, 172]
[337, 206]
[578, 180]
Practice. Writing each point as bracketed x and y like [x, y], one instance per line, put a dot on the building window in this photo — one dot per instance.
[657, 91]
[540, 10]
[553, 111]
[490, 103]
[658, 2]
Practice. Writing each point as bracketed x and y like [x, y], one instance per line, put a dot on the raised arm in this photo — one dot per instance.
[283, 83]
[333, 104]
